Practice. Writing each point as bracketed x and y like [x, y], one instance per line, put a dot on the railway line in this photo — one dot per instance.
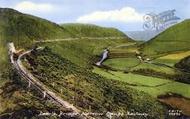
[26, 75]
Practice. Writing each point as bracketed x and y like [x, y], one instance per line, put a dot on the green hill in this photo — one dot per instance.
[23, 29]
[92, 92]
[85, 52]
[175, 38]
[184, 64]
[89, 30]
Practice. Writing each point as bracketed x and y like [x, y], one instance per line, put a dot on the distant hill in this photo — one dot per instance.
[23, 29]
[175, 38]
[93, 92]
[83, 30]
[142, 35]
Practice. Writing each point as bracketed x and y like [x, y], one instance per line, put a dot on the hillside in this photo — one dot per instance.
[91, 91]
[175, 38]
[66, 67]
[84, 52]
[184, 64]
[142, 35]
[23, 29]
[84, 30]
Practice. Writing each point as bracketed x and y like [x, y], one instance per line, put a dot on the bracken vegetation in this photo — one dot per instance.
[89, 30]
[23, 30]
[89, 91]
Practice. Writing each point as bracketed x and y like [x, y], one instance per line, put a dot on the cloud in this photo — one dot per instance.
[27, 6]
[126, 15]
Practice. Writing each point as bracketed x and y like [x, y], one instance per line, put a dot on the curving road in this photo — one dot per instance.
[25, 74]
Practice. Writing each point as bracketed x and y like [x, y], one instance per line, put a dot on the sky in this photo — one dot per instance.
[126, 15]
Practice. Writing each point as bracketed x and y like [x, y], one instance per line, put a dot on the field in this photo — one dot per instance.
[155, 78]
[155, 68]
[158, 77]
[173, 58]
[122, 63]
[68, 68]
[84, 51]
[90, 90]
[150, 85]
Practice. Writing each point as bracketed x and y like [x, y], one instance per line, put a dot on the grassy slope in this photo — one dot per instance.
[148, 82]
[175, 38]
[23, 29]
[122, 63]
[84, 51]
[84, 30]
[25, 103]
[123, 56]
[184, 64]
[156, 68]
[173, 58]
[91, 91]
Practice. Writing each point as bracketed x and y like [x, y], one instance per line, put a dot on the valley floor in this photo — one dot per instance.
[67, 68]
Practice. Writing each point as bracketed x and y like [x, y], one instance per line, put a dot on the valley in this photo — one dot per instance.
[143, 77]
